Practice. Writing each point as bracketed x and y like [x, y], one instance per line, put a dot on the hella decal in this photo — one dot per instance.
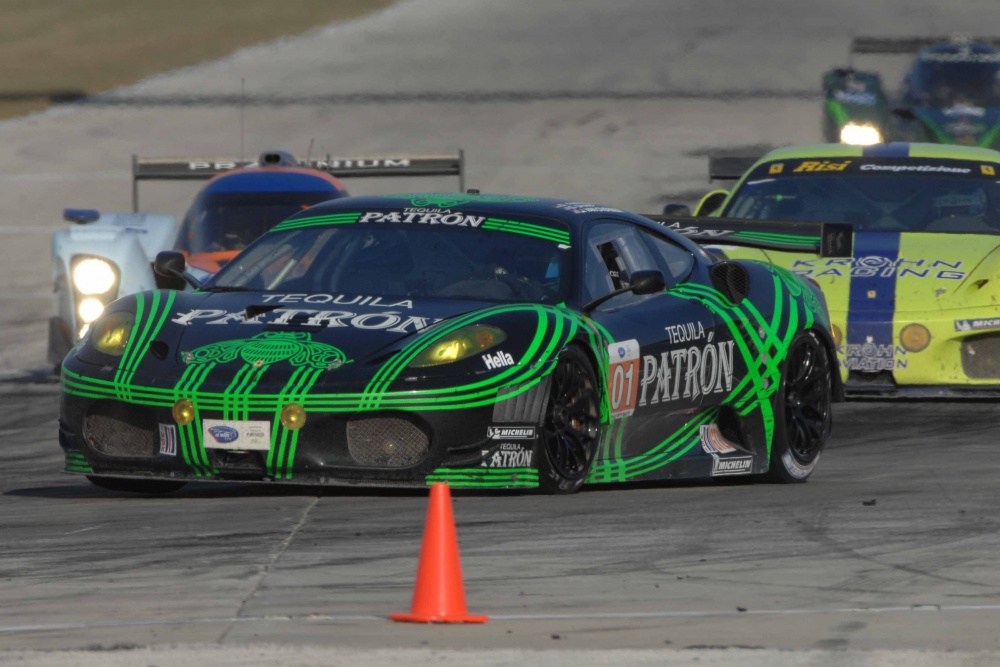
[498, 360]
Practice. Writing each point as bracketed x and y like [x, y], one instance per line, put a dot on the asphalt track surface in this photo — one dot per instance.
[888, 555]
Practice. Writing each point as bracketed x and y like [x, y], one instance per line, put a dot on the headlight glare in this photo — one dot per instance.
[860, 135]
[459, 344]
[93, 276]
[110, 334]
[90, 309]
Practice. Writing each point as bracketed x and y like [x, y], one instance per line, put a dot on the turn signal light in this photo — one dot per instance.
[293, 417]
[183, 412]
[914, 337]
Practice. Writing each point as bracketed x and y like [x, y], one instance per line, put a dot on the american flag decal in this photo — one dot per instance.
[168, 440]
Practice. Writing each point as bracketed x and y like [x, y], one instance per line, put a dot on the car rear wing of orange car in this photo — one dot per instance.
[825, 239]
[348, 166]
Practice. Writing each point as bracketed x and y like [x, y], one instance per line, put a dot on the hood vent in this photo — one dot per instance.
[732, 280]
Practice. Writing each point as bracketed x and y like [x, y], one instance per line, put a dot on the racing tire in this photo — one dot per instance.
[803, 411]
[148, 486]
[570, 426]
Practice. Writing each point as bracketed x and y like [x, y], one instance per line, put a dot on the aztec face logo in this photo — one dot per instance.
[270, 347]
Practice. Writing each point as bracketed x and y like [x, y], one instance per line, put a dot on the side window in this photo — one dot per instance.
[613, 252]
[677, 262]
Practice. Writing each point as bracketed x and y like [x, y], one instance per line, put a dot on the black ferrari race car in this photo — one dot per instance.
[482, 341]
[950, 94]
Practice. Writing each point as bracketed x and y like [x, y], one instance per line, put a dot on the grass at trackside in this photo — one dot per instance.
[50, 48]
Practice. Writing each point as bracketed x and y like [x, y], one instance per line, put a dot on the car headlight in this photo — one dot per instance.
[110, 334]
[459, 344]
[94, 276]
[860, 135]
[90, 309]
[914, 337]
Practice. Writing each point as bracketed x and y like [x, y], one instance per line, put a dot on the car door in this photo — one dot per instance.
[660, 365]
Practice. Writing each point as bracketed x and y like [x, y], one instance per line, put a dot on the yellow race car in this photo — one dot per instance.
[916, 310]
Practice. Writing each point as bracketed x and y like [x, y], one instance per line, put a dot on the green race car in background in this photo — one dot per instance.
[949, 95]
[916, 310]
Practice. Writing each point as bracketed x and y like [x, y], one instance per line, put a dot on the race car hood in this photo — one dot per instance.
[961, 124]
[346, 338]
[900, 272]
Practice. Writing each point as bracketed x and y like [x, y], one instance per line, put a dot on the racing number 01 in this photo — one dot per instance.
[623, 376]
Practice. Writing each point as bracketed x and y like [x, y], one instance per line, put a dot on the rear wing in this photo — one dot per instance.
[910, 45]
[825, 239]
[188, 169]
[730, 167]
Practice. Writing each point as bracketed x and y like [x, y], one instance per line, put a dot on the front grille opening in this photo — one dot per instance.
[119, 429]
[386, 442]
[981, 356]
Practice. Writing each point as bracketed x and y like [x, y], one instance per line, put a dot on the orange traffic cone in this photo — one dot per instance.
[439, 595]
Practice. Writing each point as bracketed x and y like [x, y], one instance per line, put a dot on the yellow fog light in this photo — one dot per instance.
[838, 337]
[914, 337]
[460, 344]
[293, 417]
[183, 412]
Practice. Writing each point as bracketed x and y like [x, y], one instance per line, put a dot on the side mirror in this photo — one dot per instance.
[81, 216]
[647, 282]
[169, 264]
[906, 113]
[640, 282]
[680, 210]
[168, 269]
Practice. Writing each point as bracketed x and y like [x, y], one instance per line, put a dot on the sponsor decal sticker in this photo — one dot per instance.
[424, 217]
[776, 168]
[824, 165]
[874, 266]
[687, 373]
[510, 432]
[623, 376]
[168, 440]
[585, 207]
[869, 357]
[508, 455]
[976, 325]
[712, 440]
[499, 360]
[915, 167]
[987, 170]
[731, 465]
[236, 434]
[866, 99]
[390, 320]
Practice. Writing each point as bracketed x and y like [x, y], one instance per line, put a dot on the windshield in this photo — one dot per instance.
[406, 261]
[875, 195]
[943, 84]
[219, 222]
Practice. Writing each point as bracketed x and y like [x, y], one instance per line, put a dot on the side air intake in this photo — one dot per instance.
[732, 280]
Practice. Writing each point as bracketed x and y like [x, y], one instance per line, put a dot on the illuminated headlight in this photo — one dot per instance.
[90, 309]
[860, 135]
[459, 344]
[110, 334]
[914, 337]
[93, 276]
